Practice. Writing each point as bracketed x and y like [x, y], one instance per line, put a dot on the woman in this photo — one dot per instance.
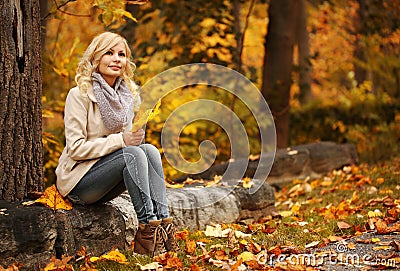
[103, 157]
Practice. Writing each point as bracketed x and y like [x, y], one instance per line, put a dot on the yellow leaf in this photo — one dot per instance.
[145, 115]
[375, 213]
[247, 256]
[296, 208]
[375, 240]
[178, 185]
[52, 198]
[286, 213]
[115, 256]
[247, 183]
[94, 259]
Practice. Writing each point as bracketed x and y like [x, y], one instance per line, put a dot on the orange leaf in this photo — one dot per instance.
[237, 264]
[174, 263]
[182, 235]
[52, 198]
[383, 228]
[195, 267]
[190, 246]
[56, 264]
[221, 255]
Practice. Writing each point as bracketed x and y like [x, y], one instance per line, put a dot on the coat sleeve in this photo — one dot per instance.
[79, 147]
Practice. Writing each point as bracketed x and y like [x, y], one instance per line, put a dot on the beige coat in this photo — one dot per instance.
[87, 139]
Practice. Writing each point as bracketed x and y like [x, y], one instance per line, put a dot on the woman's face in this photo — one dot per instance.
[112, 64]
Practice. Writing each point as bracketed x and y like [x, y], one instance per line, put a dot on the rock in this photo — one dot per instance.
[98, 228]
[28, 234]
[309, 160]
[196, 207]
[33, 234]
[124, 205]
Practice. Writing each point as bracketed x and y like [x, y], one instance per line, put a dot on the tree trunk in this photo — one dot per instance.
[304, 55]
[20, 98]
[278, 61]
[360, 73]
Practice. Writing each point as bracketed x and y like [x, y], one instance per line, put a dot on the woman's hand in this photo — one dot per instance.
[133, 138]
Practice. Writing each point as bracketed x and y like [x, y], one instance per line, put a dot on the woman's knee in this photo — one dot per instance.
[133, 153]
[150, 149]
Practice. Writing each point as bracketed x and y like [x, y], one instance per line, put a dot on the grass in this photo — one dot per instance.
[310, 209]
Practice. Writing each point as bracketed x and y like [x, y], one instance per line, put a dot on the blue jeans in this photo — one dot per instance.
[136, 168]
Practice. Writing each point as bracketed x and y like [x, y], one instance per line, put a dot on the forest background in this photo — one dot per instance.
[344, 82]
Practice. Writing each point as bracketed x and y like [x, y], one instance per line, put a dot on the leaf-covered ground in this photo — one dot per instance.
[346, 220]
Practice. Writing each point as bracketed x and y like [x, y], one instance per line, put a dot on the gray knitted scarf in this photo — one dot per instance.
[116, 105]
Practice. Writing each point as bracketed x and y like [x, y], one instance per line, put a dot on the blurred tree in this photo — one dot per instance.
[304, 64]
[278, 63]
[21, 117]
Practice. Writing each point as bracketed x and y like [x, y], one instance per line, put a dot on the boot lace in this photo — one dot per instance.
[171, 243]
[160, 237]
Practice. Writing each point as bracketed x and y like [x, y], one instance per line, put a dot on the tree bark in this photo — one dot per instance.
[278, 61]
[20, 97]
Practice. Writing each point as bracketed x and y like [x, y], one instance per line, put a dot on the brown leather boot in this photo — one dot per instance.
[169, 228]
[150, 239]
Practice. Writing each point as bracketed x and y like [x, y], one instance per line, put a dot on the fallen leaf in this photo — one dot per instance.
[247, 256]
[286, 213]
[239, 234]
[216, 231]
[113, 255]
[52, 198]
[151, 266]
[236, 265]
[343, 225]
[12, 267]
[375, 240]
[178, 185]
[351, 246]
[56, 264]
[195, 267]
[174, 263]
[382, 248]
[383, 228]
[376, 213]
[247, 183]
[312, 244]
[221, 255]
[190, 246]
[380, 180]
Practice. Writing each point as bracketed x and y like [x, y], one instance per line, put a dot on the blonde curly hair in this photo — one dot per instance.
[91, 58]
